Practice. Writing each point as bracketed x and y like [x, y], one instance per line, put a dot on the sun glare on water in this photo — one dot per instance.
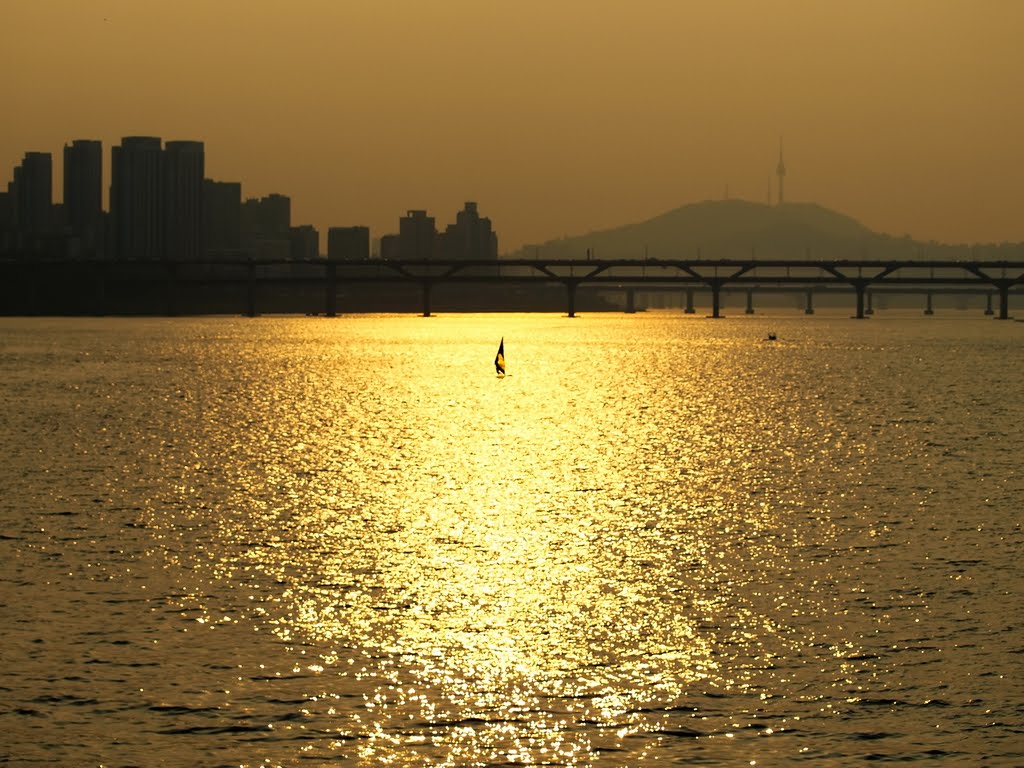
[501, 556]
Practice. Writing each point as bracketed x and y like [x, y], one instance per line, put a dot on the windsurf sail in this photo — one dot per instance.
[499, 359]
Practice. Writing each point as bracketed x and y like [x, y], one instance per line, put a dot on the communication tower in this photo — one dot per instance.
[780, 171]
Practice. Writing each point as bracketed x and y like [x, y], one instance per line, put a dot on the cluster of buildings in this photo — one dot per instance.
[162, 207]
[470, 237]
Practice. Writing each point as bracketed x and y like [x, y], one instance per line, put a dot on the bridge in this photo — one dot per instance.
[38, 277]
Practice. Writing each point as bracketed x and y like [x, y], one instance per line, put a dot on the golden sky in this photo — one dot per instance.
[557, 116]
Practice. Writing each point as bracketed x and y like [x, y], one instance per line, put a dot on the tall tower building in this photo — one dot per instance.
[222, 215]
[274, 214]
[83, 191]
[32, 193]
[183, 170]
[471, 236]
[780, 171]
[416, 236]
[266, 226]
[136, 198]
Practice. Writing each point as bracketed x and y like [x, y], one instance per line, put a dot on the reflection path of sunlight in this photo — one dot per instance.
[511, 587]
[531, 569]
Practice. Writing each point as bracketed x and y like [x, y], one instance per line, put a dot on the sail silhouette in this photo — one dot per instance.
[499, 359]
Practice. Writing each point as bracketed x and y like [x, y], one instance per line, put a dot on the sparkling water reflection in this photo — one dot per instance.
[253, 542]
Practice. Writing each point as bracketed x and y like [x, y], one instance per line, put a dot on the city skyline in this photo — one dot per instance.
[899, 116]
[161, 206]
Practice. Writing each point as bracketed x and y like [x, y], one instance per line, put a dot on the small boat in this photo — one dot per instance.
[499, 359]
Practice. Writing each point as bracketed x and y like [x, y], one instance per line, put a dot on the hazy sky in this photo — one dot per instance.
[557, 116]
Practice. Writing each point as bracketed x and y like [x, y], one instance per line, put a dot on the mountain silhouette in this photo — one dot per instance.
[739, 229]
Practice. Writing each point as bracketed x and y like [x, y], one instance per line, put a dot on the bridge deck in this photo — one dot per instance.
[39, 274]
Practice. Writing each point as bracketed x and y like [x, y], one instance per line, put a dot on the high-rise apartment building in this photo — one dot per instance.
[83, 193]
[6, 222]
[222, 215]
[348, 243]
[416, 236]
[270, 215]
[83, 183]
[156, 199]
[183, 172]
[136, 198]
[32, 194]
[6, 211]
[471, 236]
[266, 227]
[304, 243]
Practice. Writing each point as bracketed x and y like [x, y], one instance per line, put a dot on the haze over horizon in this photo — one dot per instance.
[558, 119]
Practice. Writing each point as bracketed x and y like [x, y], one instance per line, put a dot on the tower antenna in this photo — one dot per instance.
[780, 171]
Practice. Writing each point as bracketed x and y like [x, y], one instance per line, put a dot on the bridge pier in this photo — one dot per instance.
[988, 303]
[570, 294]
[1004, 300]
[630, 301]
[928, 304]
[870, 310]
[426, 286]
[331, 291]
[860, 286]
[716, 299]
[809, 305]
[750, 302]
[689, 303]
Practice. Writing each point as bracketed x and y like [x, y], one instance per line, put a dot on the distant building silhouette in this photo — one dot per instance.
[266, 226]
[136, 198]
[83, 196]
[348, 243]
[183, 172]
[6, 222]
[156, 199]
[163, 208]
[389, 247]
[32, 194]
[222, 216]
[270, 215]
[26, 208]
[304, 243]
[470, 237]
[416, 236]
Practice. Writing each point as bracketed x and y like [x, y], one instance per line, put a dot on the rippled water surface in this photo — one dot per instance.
[296, 541]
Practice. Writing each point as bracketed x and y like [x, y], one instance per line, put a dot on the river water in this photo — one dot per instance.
[660, 539]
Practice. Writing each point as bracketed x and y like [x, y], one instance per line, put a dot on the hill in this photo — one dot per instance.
[738, 229]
